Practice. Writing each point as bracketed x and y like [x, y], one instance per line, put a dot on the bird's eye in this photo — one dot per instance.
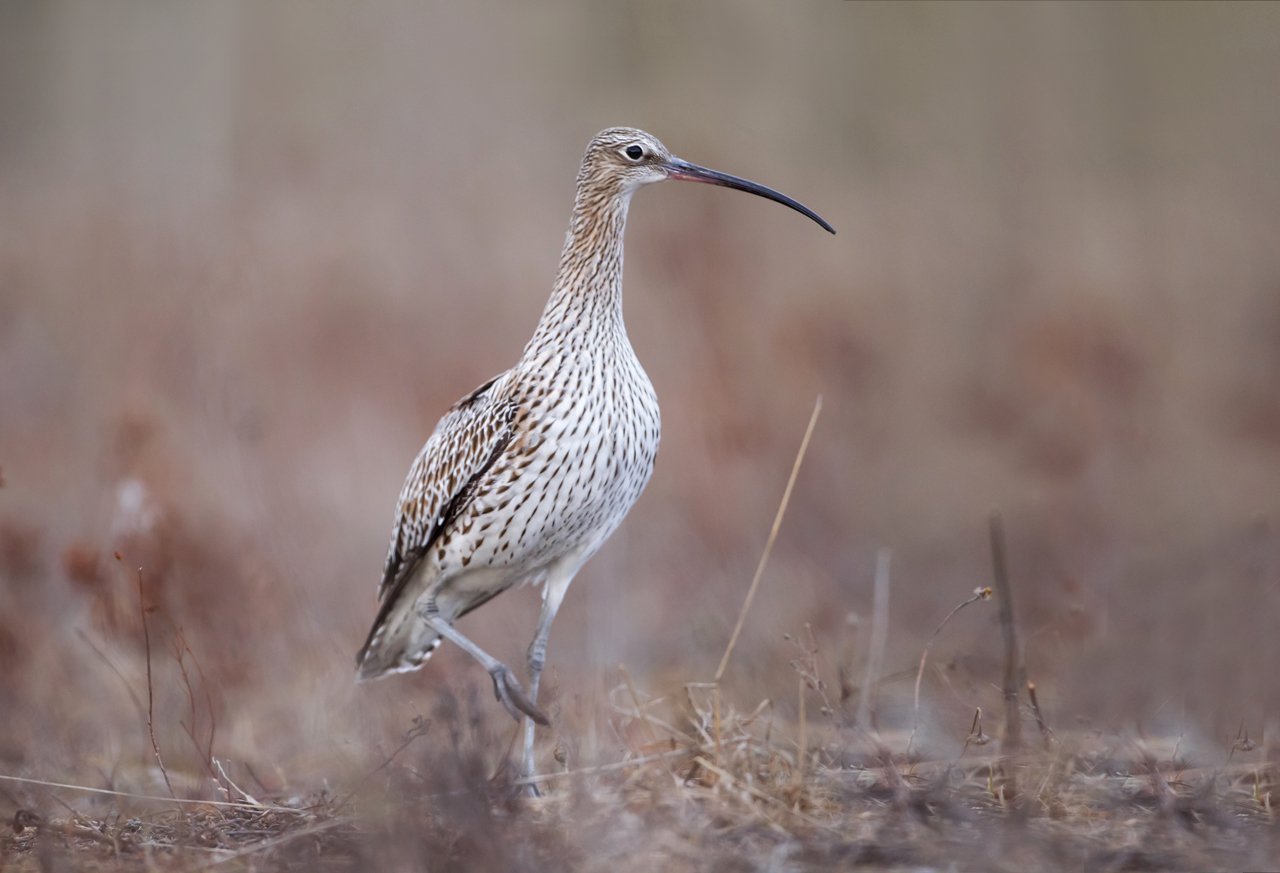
[635, 152]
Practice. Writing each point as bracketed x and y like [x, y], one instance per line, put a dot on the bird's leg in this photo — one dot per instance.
[553, 592]
[537, 659]
[505, 685]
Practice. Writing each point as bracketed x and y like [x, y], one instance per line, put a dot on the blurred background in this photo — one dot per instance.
[250, 253]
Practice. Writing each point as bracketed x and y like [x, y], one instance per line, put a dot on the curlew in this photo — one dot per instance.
[527, 476]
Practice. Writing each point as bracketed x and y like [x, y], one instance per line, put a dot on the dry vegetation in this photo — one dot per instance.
[691, 781]
[249, 253]
[697, 784]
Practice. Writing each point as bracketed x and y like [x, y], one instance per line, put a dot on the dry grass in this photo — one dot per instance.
[745, 796]
[698, 785]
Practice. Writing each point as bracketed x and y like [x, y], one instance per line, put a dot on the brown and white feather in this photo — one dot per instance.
[536, 468]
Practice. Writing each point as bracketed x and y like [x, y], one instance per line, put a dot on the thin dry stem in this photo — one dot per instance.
[151, 730]
[978, 594]
[1012, 740]
[773, 535]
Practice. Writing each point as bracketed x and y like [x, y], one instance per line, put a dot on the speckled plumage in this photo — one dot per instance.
[536, 468]
[526, 477]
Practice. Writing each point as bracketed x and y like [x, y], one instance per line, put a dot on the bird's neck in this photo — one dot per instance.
[586, 302]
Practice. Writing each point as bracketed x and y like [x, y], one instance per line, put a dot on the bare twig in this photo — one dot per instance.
[151, 729]
[1012, 740]
[768, 546]
[879, 638]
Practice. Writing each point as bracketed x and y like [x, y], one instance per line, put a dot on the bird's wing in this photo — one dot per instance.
[464, 445]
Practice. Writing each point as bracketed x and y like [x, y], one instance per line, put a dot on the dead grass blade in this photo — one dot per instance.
[773, 536]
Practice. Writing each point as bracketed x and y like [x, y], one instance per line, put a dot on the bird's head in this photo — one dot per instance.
[621, 159]
[624, 158]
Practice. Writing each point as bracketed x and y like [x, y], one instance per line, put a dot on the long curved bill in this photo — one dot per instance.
[678, 169]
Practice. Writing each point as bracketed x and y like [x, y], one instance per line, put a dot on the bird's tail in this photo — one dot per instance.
[398, 643]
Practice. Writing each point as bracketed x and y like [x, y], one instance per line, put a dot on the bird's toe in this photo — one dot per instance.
[507, 689]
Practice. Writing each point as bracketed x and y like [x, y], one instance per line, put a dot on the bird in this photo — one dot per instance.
[524, 479]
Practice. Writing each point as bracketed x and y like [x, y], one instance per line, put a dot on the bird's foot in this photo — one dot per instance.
[508, 691]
